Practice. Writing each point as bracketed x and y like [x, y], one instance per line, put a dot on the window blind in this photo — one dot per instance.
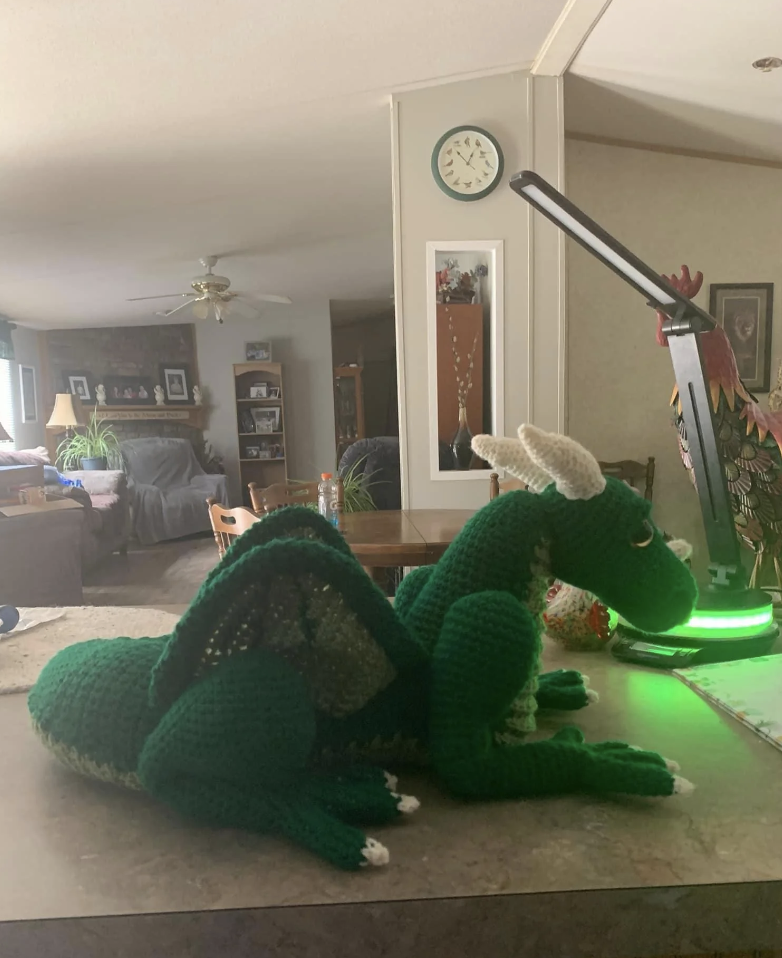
[7, 404]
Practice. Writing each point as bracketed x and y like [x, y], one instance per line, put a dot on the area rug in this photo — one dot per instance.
[22, 656]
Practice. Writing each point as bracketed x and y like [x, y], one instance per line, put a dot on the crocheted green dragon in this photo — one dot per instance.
[291, 681]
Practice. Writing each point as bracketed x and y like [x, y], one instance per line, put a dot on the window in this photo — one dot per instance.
[7, 417]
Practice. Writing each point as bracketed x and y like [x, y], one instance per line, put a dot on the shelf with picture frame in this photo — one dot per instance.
[260, 424]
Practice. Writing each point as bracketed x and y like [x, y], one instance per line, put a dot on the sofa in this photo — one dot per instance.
[105, 526]
[168, 489]
[104, 495]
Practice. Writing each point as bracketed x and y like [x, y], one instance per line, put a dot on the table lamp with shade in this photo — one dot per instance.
[4, 437]
[65, 414]
[731, 620]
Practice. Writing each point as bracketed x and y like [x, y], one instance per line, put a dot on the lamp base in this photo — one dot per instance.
[725, 625]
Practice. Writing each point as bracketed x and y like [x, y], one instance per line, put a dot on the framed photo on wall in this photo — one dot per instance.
[29, 399]
[129, 390]
[175, 380]
[258, 352]
[79, 384]
[744, 310]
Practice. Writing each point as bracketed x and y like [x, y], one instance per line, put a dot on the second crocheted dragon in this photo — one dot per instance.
[291, 682]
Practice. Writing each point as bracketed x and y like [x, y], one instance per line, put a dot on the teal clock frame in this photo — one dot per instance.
[467, 197]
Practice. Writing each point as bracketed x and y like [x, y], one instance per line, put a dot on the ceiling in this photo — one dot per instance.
[137, 137]
[679, 74]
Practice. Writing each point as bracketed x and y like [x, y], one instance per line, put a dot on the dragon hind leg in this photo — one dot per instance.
[233, 751]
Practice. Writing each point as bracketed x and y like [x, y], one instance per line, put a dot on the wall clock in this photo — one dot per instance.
[467, 163]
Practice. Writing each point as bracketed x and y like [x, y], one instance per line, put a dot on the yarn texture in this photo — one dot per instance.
[291, 683]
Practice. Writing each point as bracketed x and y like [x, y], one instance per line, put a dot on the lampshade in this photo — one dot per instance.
[4, 437]
[64, 412]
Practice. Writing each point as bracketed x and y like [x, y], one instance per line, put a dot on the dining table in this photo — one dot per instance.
[403, 537]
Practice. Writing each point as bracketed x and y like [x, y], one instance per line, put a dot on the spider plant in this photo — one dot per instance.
[358, 498]
[97, 442]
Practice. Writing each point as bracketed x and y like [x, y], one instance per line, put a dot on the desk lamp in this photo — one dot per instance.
[730, 621]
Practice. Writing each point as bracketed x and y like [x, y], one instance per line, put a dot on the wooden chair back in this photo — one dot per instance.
[227, 524]
[288, 494]
[637, 474]
[497, 485]
[640, 475]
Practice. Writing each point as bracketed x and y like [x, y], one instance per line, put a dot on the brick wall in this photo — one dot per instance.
[117, 351]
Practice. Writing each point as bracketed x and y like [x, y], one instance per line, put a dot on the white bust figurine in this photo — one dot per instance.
[198, 399]
[100, 394]
[160, 396]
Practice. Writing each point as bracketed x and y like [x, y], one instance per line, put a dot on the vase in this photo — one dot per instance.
[461, 446]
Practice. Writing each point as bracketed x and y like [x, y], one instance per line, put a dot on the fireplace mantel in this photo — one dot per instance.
[187, 415]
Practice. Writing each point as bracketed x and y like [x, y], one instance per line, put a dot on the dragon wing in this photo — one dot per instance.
[292, 585]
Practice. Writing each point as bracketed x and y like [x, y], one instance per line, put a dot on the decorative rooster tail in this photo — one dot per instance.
[749, 438]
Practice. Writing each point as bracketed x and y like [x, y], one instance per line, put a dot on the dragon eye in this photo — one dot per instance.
[643, 536]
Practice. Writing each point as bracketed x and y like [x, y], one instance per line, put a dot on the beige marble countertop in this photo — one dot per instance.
[70, 847]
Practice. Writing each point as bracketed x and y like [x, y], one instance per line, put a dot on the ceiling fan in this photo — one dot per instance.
[212, 295]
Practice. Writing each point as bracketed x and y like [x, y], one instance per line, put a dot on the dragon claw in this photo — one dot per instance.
[681, 786]
[375, 853]
[407, 804]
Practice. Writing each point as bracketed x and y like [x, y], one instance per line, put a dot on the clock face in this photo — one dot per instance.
[467, 163]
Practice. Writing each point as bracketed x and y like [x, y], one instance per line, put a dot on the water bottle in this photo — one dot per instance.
[327, 498]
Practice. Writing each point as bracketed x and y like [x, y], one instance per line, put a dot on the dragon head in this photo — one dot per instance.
[602, 538]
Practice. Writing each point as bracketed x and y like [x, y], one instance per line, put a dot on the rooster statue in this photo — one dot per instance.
[749, 440]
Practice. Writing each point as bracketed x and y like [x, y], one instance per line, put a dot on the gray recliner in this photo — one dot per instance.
[168, 489]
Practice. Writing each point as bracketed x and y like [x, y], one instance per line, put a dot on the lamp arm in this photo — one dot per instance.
[726, 569]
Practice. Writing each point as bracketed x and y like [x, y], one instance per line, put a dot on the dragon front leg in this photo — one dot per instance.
[486, 653]
[565, 690]
[234, 751]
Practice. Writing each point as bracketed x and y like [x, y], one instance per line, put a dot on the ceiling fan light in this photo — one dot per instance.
[201, 308]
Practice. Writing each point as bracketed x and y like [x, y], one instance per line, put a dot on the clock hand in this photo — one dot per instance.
[463, 159]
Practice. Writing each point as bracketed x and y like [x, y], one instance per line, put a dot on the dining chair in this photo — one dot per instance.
[228, 524]
[289, 494]
[627, 470]
[632, 472]
[497, 485]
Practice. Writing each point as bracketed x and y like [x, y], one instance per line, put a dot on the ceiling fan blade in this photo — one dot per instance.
[271, 298]
[170, 312]
[266, 298]
[137, 299]
[245, 308]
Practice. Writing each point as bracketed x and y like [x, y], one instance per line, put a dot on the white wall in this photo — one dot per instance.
[31, 434]
[301, 341]
[722, 218]
[525, 116]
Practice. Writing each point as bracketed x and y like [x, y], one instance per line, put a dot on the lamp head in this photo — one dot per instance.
[65, 413]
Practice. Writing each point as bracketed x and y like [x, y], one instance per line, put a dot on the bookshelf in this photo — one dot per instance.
[262, 454]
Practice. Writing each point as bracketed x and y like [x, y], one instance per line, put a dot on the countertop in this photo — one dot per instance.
[651, 876]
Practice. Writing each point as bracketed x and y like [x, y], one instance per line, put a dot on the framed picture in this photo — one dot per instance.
[29, 400]
[176, 383]
[267, 419]
[253, 452]
[744, 311]
[265, 451]
[258, 352]
[129, 391]
[79, 384]
[274, 392]
[259, 391]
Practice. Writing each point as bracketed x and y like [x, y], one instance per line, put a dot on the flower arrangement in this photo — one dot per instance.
[455, 285]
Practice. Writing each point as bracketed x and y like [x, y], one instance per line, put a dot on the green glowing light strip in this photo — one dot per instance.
[725, 625]
[728, 620]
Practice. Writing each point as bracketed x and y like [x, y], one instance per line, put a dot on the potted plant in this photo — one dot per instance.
[94, 448]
